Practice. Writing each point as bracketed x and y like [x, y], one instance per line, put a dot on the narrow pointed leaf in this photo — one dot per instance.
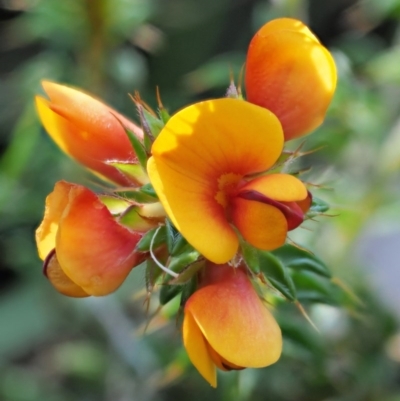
[138, 147]
[300, 259]
[144, 243]
[277, 274]
[149, 190]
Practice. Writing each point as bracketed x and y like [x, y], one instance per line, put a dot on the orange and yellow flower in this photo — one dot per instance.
[202, 166]
[86, 251]
[88, 131]
[226, 325]
[290, 73]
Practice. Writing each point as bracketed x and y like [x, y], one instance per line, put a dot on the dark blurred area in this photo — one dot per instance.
[58, 349]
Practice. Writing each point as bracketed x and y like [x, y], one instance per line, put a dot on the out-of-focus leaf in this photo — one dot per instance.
[277, 274]
[301, 259]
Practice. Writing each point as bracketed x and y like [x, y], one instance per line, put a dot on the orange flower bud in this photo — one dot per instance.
[226, 325]
[86, 251]
[290, 73]
[88, 130]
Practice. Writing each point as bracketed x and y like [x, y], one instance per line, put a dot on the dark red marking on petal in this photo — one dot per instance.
[291, 210]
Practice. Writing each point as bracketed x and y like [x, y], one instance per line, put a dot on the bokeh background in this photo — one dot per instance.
[58, 349]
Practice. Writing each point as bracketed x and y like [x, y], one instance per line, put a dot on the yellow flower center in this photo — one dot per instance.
[227, 187]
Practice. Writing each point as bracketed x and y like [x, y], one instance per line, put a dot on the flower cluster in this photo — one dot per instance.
[210, 178]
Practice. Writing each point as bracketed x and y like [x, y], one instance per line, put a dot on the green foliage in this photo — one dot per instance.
[57, 349]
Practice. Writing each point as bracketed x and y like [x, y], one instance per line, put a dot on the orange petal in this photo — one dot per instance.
[197, 349]
[60, 281]
[290, 73]
[94, 251]
[233, 320]
[198, 147]
[262, 225]
[280, 187]
[87, 130]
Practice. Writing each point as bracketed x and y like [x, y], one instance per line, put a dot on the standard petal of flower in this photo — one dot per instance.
[290, 73]
[203, 152]
[60, 281]
[234, 321]
[197, 349]
[94, 251]
[262, 225]
[194, 212]
[87, 130]
[280, 187]
[55, 205]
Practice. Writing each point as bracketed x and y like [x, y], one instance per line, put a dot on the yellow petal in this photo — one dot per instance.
[60, 281]
[198, 147]
[280, 187]
[233, 320]
[47, 231]
[262, 225]
[197, 350]
[290, 73]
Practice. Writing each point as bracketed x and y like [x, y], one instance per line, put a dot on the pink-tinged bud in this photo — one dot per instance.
[86, 251]
[290, 73]
[88, 130]
[227, 326]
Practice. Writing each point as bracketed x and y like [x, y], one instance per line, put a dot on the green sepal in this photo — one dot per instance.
[115, 204]
[164, 115]
[149, 190]
[301, 259]
[144, 244]
[137, 195]
[277, 274]
[131, 218]
[154, 124]
[132, 171]
[138, 148]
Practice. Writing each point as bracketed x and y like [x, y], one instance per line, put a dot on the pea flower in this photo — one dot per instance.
[202, 168]
[86, 251]
[226, 325]
[289, 72]
[89, 131]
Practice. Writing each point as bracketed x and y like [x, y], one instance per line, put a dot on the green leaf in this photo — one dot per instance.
[318, 206]
[314, 288]
[154, 124]
[178, 263]
[301, 259]
[168, 292]
[188, 272]
[277, 274]
[250, 256]
[138, 147]
[144, 243]
[188, 289]
[164, 115]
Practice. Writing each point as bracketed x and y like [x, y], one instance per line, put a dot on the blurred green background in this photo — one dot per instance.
[58, 349]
